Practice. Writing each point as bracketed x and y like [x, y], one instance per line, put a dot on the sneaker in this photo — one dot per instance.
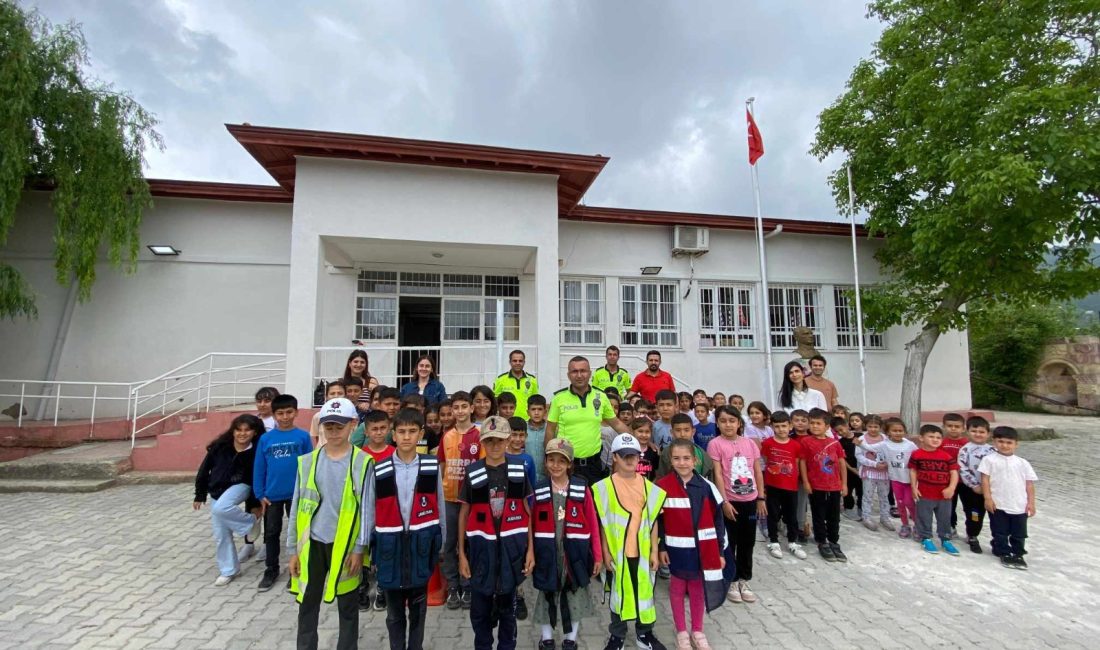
[224, 580]
[852, 514]
[746, 593]
[683, 641]
[268, 581]
[929, 546]
[699, 640]
[1008, 561]
[663, 572]
[379, 603]
[568, 644]
[886, 524]
[870, 524]
[614, 643]
[975, 546]
[1019, 563]
[775, 551]
[837, 553]
[521, 608]
[734, 593]
[894, 512]
[826, 552]
[948, 547]
[364, 598]
[648, 641]
[796, 550]
[467, 597]
[453, 600]
[247, 551]
[547, 644]
[904, 532]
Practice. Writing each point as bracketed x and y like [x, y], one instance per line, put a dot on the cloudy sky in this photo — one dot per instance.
[657, 86]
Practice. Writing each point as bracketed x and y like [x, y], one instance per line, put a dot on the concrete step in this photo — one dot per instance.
[96, 461]
[13, 485]
[156, 478]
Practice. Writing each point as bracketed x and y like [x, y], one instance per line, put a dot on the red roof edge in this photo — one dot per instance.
[218, 191]
[729, 222]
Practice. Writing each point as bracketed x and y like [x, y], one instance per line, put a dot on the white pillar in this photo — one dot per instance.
[547, 326]
[306, 267]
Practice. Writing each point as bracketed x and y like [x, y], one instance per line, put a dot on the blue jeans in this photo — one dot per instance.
[227, 518]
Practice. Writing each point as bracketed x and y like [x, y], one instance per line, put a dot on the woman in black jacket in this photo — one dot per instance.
[226, 475]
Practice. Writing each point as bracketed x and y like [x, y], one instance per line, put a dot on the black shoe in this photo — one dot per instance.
[454, 601]
[649, 642]
[838, 554]
[614, 643]
[521, 609]
[364, 598]
[268, 581]
[974, 545]
[466, 598]
[1008, 561]
[1020, 563]
[379, 601]
[568, 644]
[547, 644]
[826, 552]
[894, 512]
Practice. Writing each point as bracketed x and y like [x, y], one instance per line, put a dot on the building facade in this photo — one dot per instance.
[407, 247]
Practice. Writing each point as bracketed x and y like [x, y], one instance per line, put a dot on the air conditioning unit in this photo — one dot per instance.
[690, 240]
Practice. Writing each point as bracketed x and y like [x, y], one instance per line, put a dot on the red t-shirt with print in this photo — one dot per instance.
[953, 445]
[824, 462]
[780, 463]
[933, 471]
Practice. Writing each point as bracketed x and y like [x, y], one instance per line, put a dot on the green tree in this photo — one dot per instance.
[974, 140]
[81, 137]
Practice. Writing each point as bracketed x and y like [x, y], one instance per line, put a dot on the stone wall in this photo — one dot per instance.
[1069, 373]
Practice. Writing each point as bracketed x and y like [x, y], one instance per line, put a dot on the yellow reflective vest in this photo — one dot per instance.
[614, 519]
[337, 582]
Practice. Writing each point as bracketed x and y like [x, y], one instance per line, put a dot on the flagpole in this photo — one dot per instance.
[761, 256]
[859, 303]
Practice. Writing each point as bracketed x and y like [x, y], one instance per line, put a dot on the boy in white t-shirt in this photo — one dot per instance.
[1008, 484]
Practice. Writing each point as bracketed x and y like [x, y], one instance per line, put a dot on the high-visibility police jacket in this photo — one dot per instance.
[614, 519]
[347, 525]
[578, 532]
[406, 556]
[522, 387]
[497, 555]
[695, 543]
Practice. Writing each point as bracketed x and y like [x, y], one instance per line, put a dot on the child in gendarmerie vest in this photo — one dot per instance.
[326, 538]
[692, 538]
[628, 506]
[1008, 485]
[826, 482]
[403, 514]
[567, 547]
[933, 475]
[494, 519]
[273, 475]
[517, 451]
[970, 480]
[226, 475]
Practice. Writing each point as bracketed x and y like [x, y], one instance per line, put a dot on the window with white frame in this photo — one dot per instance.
[650, 314]
[847, 327]
[792, 306]
[461, 320]
[511, 319]
[725, 316]
[376, 306]
[580, 311]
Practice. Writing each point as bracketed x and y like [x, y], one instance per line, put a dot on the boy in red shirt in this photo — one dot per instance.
[780, 455]
[954, 438]
[825, 479]
[933, 473]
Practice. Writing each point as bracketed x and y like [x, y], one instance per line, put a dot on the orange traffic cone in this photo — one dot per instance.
[437, 589]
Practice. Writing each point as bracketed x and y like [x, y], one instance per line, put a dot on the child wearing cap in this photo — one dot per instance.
[628, 506]
[326, 538]
[566, 545]
[494, 519]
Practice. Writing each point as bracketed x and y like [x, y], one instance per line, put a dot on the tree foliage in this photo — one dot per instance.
[973, 133]
[81, 137]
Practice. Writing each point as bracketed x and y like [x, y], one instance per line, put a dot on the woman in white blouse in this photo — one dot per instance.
[795, 394]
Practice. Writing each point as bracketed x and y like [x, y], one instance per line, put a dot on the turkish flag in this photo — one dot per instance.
[756, 143]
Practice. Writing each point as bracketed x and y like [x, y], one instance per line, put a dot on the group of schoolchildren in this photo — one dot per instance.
[386, 488]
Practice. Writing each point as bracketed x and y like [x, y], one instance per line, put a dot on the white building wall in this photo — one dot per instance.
[617, 252]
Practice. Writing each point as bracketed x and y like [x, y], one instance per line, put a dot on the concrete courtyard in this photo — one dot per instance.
[132, 567]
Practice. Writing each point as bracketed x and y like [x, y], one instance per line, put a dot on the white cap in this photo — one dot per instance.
[625, 444]
[339, 410]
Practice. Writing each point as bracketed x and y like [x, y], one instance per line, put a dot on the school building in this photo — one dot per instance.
[407, 247]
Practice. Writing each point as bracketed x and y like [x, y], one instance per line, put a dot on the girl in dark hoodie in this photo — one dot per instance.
[226, 475]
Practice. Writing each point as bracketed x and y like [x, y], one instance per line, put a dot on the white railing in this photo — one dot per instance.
[65, 399]
[596, 360]
[460, 367]
[212, 380]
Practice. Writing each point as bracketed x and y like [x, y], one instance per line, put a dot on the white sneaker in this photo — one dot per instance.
[796, 550]
[246, 552]
[224, 580]
[746, 593]
[775, 551]
[734, 593]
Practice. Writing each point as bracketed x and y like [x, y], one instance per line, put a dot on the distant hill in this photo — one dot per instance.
[1090, 302]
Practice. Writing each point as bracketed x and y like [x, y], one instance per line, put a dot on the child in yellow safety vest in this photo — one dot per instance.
[628, 507]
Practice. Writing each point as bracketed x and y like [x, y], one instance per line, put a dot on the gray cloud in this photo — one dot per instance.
[658, 86]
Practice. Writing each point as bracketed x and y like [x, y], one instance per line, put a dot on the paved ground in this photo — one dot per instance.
[132, 567]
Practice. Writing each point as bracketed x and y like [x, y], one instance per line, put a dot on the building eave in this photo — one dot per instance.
[629, 216]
